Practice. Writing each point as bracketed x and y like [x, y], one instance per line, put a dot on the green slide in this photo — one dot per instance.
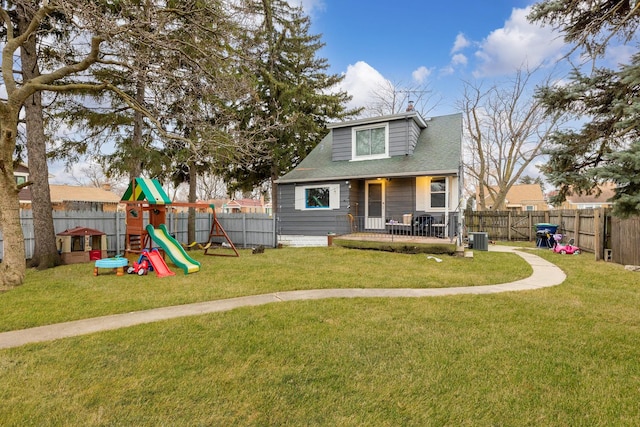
[173, 248]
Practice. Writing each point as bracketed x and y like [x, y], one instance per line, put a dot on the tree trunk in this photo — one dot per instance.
[136, 166]
[191, 218]
[13, 267]
[45, 254]
[274, 191]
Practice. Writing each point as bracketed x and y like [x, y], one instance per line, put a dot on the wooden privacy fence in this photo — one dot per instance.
[594, 230]
[625, 240]
[245, 230]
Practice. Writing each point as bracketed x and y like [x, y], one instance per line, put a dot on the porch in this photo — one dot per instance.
[407, 227]
[394, 238]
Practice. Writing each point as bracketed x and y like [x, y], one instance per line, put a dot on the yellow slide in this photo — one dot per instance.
[173, 248]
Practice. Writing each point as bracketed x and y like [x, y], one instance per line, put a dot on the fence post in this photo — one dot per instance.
[244, 230]
[576, 227]
[509, 227]
[274, 230]
[597, 236]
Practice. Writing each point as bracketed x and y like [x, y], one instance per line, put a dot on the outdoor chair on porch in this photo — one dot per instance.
[438, 227]
[422, 225]
[429, 226]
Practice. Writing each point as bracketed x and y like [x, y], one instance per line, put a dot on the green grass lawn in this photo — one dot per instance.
[566, 355]
[72, 292]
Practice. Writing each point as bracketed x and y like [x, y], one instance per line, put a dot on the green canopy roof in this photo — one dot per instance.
[146, 189]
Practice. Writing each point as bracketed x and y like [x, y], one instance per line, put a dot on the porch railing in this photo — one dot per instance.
[418, 226]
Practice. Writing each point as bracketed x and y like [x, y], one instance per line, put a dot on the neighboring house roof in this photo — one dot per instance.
[607, 192]
[68, 193]
[245, 203]
[521, 195]
[438, 151]
[217, 203]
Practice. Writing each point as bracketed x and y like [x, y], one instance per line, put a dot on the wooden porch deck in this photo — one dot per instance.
[389, 237]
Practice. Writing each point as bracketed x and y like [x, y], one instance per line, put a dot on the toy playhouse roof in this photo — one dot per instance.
[147, 189]
[81, 231]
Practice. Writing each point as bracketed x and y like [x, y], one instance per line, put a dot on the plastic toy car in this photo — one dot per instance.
[140, 268]
[569, 248]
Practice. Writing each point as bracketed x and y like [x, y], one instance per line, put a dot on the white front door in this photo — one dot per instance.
[374, 205]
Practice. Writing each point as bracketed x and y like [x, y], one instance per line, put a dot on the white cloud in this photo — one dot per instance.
[447, 71]
[619, 54]
[360, 81]
[421, 74]
[309, 6]
[518, 44]
[460, 43]
[459, 59]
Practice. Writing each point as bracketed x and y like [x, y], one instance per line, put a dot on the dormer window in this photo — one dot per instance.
[370, 142]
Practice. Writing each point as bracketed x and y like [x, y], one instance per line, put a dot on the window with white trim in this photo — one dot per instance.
[317, 197]
[370, 142]
[434, 193]
[438, 192]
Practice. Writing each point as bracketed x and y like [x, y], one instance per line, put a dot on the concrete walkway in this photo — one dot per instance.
[545, 274]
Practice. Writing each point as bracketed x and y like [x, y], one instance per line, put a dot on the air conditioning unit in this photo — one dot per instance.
[479, 241]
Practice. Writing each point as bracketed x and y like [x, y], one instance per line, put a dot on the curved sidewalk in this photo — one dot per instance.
[545, 274]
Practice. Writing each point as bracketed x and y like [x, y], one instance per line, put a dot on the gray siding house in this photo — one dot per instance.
[397, 173]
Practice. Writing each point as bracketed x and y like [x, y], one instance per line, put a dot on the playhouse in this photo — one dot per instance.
[81, 244]
[146, 214]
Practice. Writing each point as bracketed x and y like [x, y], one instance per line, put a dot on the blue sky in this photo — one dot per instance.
[425, 42]
[438, 44]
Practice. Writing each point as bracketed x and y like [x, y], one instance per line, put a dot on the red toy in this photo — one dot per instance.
[563, 249]
[150, 261]
[140, 268]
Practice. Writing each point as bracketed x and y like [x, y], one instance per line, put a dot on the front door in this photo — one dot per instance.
[374, 205]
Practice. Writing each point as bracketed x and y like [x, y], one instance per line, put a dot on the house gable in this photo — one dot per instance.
[400, 131]
[436, 151]
[521, 197]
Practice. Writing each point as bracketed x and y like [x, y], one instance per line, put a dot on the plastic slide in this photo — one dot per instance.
[158, 264]
[173, 248]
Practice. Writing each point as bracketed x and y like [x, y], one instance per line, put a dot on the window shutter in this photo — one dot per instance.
[334, 196]
[299, 196]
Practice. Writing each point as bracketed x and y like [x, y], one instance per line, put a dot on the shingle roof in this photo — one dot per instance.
[607, 192]
[438, 151]
[520, 194]
[246, 203]
[69, 193]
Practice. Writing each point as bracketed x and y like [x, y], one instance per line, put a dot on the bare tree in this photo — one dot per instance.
[506, 129]
[99, 32]
[393, 97]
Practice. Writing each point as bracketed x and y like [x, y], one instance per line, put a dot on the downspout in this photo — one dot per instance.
[447, 190]
[460, 210]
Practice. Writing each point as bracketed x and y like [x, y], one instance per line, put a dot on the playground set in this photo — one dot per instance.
[146, 203]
